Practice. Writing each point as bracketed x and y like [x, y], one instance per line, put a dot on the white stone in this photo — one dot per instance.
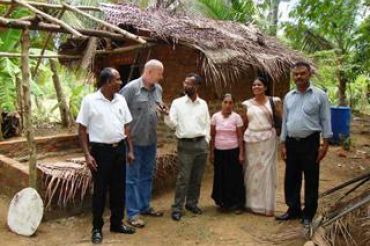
[25, 212]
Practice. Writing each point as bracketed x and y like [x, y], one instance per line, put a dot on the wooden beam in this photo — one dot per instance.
[50, 18]
[52, 6]
[10, 54]
[27, 108]
[106, 24]
[98, 52]
[125, 49]
[42, 26]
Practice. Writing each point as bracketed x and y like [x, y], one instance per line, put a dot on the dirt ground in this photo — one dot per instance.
[212, 227]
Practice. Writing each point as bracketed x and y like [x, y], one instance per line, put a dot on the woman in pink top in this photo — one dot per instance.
[228, 157]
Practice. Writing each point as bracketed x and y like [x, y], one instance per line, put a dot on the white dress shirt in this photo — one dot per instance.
[105, 120]
[190, 119]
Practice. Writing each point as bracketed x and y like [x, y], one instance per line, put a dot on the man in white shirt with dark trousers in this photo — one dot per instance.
[103, 120]
[190, 117]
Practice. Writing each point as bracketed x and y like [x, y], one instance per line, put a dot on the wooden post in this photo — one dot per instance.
[19, 94]
[89, 53]
[27, 108]
[63, 107]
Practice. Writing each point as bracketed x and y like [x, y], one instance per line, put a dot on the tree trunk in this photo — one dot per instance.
[63, 107]
[27, 108]
[342, 80]
[19, 93]
[342, 89]
[274, 16]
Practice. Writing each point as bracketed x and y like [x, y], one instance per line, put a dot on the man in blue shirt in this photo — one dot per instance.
[306, 114]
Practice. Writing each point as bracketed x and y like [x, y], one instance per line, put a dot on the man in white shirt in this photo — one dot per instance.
[103, 120]
[190, 117]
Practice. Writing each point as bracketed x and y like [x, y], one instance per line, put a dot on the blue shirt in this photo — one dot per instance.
[306, 113]
[142, 104]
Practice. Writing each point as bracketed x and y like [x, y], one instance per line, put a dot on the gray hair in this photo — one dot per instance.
[228, 95]
[153, 64]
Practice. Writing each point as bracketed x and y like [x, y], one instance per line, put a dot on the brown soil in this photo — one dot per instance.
[211, 228]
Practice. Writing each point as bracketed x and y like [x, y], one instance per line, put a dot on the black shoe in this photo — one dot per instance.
[288, 216]
[306, 222]
[97, 236]
[194, 209]
[176, 216]
[123, 229]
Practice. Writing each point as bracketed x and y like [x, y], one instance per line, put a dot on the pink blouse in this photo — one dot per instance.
[226, 136]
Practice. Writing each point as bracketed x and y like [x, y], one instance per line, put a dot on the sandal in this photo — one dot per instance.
[152, 212]
[136, 222]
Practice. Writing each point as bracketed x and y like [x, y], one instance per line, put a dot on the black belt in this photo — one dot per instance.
[315, 134]
[196, 139]
[111, 145]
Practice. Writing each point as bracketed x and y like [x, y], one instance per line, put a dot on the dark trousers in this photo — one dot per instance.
[110, 176]
[301, 159]
[192, 162]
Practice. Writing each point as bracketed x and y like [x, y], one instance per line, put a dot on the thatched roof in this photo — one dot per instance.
[229, 48]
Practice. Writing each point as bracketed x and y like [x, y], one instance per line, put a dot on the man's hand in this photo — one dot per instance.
[211, 157]
[130, 157]
[323, 149]
[241, 159]
[283, 151]
[162, 108]
[91, 163]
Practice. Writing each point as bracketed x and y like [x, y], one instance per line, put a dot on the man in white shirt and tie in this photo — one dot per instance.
[189, 116]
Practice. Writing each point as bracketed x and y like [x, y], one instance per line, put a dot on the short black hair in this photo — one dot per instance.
[302, 64]
[197, 77]
[105, 75]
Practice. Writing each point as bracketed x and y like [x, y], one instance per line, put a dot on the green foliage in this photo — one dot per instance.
[333, 26]
[331, 20]
[362, 46]
[358, 93]
[8, 72]
[235, 10]
[325, 77]
[76, 85]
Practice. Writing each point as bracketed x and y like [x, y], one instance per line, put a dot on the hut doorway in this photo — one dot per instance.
[128, 72]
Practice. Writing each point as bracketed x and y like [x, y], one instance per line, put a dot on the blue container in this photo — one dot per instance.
[340, 123]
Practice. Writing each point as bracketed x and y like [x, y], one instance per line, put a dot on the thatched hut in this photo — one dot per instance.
[227, 54]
